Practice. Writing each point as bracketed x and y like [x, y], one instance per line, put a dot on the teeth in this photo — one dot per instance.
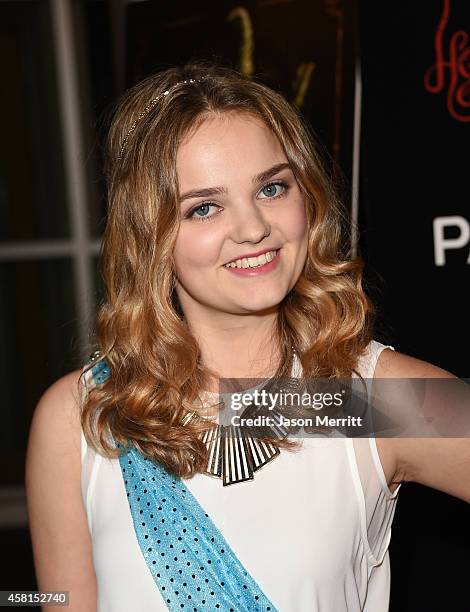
[252, 262]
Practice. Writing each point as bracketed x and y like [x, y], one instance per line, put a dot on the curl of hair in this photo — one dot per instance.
[156, 371]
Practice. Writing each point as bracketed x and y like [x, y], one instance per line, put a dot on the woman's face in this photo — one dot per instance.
[239, 198]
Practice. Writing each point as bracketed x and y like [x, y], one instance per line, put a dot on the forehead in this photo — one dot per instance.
[225, 147]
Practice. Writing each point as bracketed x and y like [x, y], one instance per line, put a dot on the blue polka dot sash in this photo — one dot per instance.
[189, 559]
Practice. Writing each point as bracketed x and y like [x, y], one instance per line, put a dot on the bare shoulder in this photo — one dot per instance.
[58, 411]
[405, 458]
[57, 519]
[54, 435]
[393, 364]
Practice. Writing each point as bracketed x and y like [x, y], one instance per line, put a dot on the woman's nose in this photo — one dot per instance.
[249, 224]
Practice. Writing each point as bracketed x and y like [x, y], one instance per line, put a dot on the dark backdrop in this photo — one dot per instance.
[414, 170]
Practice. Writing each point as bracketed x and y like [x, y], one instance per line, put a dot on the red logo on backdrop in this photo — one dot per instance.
[456, 65]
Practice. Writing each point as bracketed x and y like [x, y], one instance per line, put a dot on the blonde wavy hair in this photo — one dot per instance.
[154, 360]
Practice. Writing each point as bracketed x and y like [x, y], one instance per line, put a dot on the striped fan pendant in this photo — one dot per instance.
[234, 454]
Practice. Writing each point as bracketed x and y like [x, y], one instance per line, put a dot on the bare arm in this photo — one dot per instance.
[440, 463]
[59, 530]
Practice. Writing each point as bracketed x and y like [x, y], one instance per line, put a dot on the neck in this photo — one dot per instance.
[237, 346]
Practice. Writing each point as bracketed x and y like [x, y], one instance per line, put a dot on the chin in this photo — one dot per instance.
[254, 304]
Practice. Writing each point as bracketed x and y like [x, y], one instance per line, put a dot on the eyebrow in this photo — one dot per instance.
[256, 180]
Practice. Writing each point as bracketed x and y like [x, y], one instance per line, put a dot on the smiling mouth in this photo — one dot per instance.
[253, 262]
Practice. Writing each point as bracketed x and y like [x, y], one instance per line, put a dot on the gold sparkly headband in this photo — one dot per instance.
[149, 107]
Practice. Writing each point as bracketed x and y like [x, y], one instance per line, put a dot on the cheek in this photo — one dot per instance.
[295, 223]
[196, 248]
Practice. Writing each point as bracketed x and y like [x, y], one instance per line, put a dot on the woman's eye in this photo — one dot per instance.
[274, 190]
[201, 212]
[203, 209]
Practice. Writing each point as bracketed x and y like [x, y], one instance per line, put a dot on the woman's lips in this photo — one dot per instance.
[258, 270]
[257, 254]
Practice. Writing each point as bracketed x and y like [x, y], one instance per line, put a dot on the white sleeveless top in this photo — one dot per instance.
[312, 528]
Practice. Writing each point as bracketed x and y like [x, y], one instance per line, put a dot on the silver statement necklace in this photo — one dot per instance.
[234, 454]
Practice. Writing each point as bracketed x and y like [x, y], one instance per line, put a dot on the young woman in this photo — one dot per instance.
[224, 256]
